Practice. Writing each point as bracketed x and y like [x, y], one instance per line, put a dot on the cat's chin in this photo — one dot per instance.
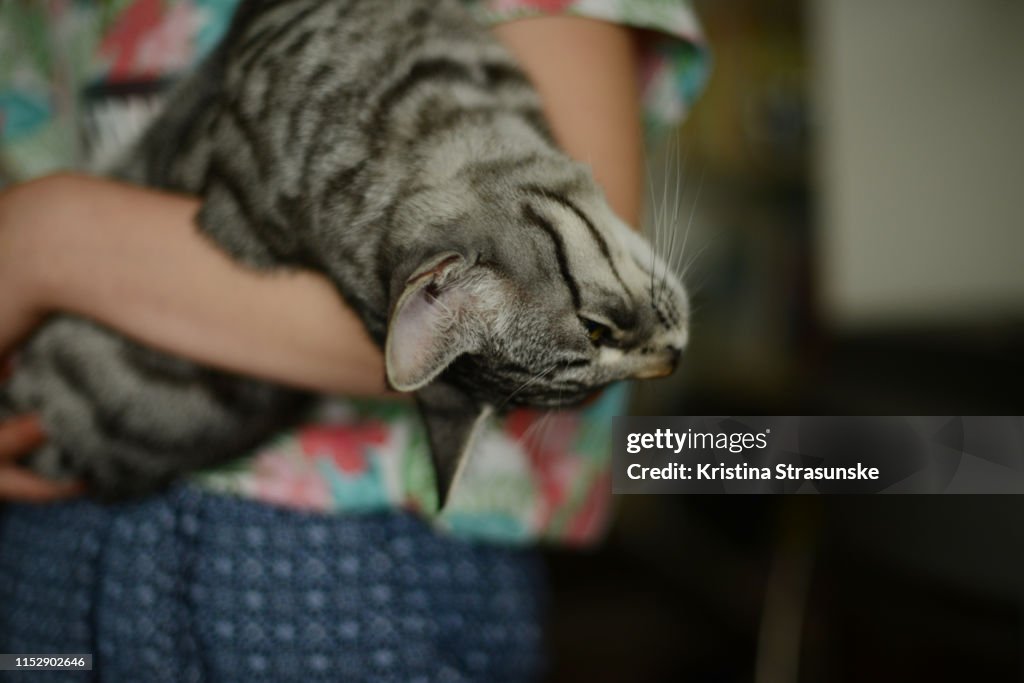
[655, 373]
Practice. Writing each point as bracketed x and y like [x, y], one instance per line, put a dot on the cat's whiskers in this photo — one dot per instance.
[671, 180]
[540, 375]
[676, 259]
[676, 204]
[665, 214]
[539, 424]
[656, 232]
[549, 422]
[549, 419]
[667, 178]
[661, 216]
[546, 423]
[684, 271]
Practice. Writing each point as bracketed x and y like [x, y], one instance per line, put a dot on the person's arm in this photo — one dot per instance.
[586, 73]
[132, 259]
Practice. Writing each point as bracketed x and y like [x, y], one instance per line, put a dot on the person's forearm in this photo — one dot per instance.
[132, 258]
[586, 73]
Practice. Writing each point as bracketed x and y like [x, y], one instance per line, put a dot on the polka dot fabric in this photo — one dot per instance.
[194, 587]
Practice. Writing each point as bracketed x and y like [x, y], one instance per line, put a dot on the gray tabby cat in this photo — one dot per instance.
[397, 148]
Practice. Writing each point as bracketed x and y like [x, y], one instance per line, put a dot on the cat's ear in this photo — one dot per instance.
[452, 418]
[431, 324]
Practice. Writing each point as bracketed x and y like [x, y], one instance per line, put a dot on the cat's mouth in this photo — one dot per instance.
[656, 372]
[663, 367]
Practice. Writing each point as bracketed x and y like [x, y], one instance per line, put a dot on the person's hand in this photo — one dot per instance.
[18, 437]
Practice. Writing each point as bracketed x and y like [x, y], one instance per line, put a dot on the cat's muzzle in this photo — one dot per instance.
[664, 366]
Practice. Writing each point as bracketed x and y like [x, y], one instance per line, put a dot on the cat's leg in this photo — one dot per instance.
[47, 460]
[56, 378]
[127, 419]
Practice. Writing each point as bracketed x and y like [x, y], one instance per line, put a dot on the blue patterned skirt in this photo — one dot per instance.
[192, 586]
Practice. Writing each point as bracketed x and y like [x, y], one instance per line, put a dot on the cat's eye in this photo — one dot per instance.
[598, 333]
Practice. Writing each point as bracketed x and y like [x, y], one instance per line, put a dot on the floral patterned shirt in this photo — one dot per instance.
[77, 80]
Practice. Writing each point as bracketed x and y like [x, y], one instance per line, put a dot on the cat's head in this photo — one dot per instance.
[529, 276]
[534, 293]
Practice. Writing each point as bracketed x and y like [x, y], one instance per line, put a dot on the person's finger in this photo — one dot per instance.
[19, 435]
[26, 487]
[6, 368]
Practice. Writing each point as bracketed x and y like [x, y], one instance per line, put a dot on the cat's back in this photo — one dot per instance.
[286, 68]
[347, 42]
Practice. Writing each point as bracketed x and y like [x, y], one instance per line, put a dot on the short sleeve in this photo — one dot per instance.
[674, 59]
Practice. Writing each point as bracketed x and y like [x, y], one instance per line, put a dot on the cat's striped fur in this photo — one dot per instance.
[397, 148]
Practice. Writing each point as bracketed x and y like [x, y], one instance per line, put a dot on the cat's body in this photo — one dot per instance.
[397, 148]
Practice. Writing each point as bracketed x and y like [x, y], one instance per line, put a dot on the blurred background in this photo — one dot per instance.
[854, 175]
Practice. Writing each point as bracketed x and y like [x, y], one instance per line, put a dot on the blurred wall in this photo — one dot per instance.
[920, 160]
